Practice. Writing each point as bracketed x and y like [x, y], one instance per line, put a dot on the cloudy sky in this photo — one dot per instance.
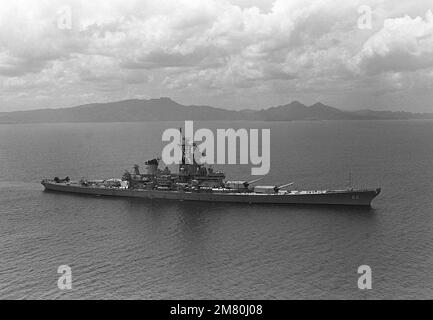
[227, 53]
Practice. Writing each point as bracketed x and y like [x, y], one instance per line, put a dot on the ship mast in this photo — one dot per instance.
[349, 182]
[183, 146]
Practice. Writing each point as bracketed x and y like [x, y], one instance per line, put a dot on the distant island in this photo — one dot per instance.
[165, 109]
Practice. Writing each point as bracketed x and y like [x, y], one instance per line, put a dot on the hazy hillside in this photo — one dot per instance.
[122, 111]
[298, 111]
[165, 109]
[389, 115]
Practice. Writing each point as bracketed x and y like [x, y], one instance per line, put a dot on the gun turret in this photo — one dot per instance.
[248, 183]
[278, 188]
[241, 185]
[271, 189]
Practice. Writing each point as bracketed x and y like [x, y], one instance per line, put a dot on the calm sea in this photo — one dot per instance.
[121, 248]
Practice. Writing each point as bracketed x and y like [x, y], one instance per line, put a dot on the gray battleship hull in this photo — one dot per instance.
[335, 197]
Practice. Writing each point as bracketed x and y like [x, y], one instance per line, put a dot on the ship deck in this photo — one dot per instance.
[350, 197]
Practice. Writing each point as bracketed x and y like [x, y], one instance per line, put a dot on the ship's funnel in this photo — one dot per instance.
[137, 169]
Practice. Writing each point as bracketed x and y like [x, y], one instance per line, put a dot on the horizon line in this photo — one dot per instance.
[204, 105]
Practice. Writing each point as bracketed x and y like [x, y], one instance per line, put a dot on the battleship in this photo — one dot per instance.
[198, 182]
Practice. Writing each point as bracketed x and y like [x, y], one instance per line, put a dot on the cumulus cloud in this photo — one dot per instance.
[403, 44]
[249, 52]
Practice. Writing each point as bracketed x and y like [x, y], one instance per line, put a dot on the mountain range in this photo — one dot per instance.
[165, 109]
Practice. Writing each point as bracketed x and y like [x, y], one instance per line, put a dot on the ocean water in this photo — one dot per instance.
[126, 249]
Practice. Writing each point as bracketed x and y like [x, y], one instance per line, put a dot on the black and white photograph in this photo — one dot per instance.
[228, 151]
